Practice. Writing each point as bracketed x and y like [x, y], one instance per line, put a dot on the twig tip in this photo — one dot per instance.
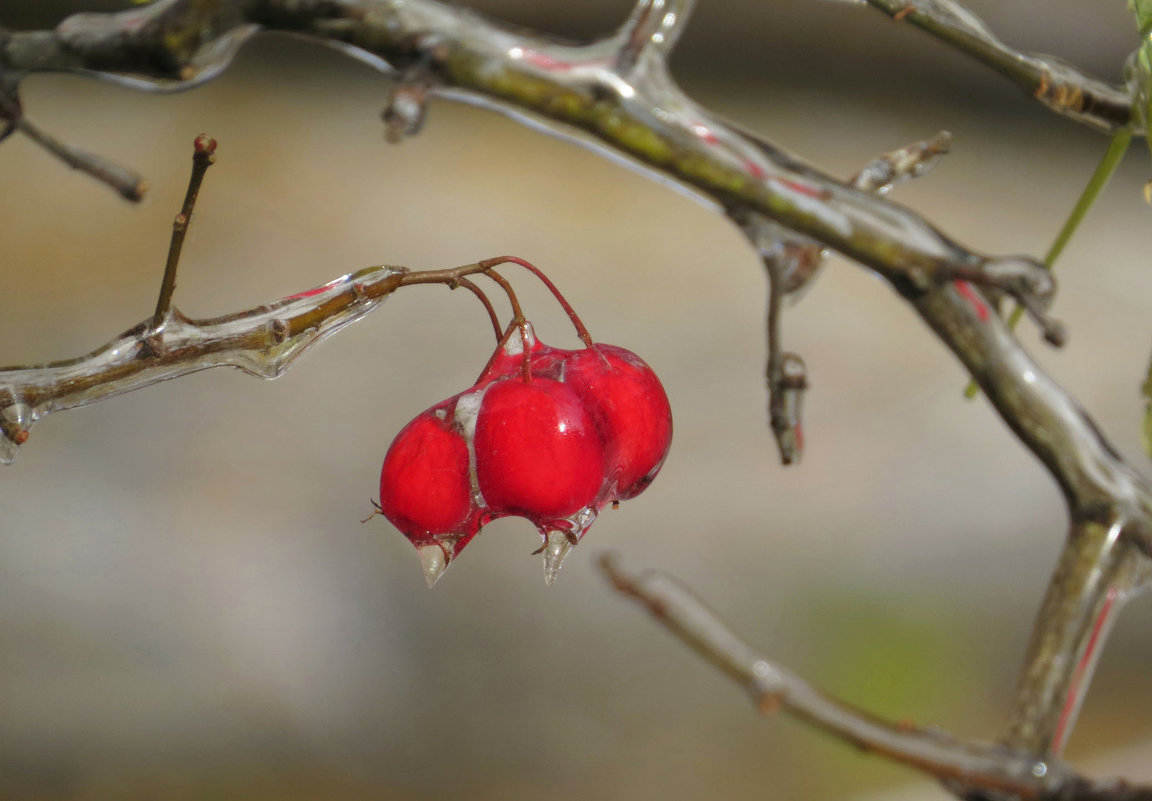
[204, 144]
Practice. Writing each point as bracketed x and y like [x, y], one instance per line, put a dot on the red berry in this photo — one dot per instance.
[628, 404]
[425, 488]
[538, 452]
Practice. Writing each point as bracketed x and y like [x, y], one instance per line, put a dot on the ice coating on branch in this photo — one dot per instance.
[263, 342]
[894, 168]
[15, 421]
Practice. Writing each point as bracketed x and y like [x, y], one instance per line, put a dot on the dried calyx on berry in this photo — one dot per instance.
[546, 434]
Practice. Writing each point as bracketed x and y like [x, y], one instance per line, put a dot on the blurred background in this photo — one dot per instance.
[191, 608]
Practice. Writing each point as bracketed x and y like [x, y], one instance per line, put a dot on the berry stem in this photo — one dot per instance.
[518, 320]
[479, 293]
[577, 323]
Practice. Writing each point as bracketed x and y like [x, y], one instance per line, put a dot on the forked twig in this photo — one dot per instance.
[966, 768]
[1060, 86]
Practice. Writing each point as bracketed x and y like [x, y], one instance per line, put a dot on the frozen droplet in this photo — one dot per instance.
[557, 545]
[407, 106]
[8, 450]
[434, 562]
[17, 418]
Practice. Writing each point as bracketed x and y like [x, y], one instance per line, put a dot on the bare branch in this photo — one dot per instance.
[263, 342]
[911, 161]
[965, 768]
[793, 262]
[655, 26]
[203, 157]
[641, 115]
[1098, 573]
[1060, 86]
[127, 183]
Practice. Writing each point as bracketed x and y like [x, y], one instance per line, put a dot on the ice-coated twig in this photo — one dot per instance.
[655, 26]
[127, 183]
[637, 113]
[965, 768]
[1060, 86]
[894, 168]
[262, 342]
[792, 263]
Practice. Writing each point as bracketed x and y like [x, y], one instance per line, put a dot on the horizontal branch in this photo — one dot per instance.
[263, 342]
[1060, 86]
[638, 113]
[966, 768]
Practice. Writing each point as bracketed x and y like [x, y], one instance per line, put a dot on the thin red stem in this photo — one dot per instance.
[518, 320]
[479, 293]
[577, 323]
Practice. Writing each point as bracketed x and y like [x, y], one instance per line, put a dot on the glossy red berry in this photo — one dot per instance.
[538, 452]
[425, 488]
[630, 408]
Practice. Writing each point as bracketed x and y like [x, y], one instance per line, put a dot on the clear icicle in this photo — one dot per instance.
[557, 545]
[434, 562]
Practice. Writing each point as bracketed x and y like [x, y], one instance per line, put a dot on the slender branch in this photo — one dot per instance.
[1098, 572]
[640, 115]
[964, 767]
[792, 263]
[263, 342]
[1060, 86]
[786, 428]
[127, 183]
[203, 157]
[1100, 177]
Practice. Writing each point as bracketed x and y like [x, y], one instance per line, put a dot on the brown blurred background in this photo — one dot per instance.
[190, 607]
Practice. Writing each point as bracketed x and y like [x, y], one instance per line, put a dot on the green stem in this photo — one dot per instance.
[1104, 170]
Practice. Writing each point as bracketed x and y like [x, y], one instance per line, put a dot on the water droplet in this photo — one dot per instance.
[434, 562]
[557, 545]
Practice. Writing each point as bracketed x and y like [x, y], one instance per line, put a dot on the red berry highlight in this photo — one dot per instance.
[538, 452]
[424, 484]
[630, 408]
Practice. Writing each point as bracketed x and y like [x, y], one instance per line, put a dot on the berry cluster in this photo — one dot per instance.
[546, 434]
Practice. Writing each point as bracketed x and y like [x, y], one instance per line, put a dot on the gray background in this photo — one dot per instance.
[190, 607]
